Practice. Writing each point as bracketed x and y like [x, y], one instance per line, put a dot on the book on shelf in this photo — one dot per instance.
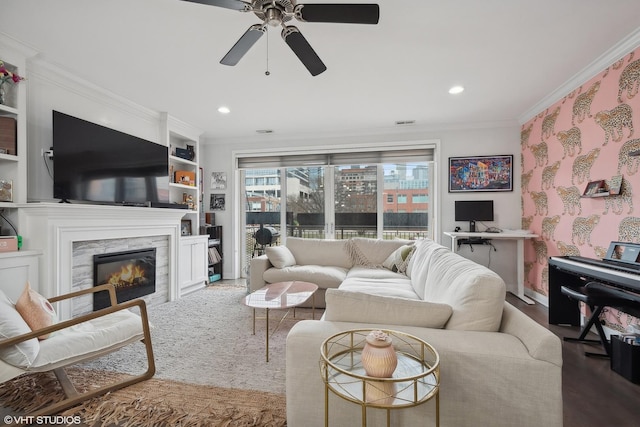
[214, 256]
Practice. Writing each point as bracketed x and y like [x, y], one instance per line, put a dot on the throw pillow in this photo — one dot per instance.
[349, 306]
[12, 324]
[280, 256]
[36, 310]
[399, 259]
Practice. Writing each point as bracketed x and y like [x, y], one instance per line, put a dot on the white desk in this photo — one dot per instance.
[518, 237]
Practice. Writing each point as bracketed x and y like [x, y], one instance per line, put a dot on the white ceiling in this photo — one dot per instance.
[164, 55]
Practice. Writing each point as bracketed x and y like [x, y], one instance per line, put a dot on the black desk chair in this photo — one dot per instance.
[596, 296]
[263, 238]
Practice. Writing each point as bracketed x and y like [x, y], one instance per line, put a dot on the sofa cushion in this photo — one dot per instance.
[398, 287]
[280, 256]
[418, 267]
[323, 276]
[319, 252]
[23, 354]
[399, 259]
[348, 306]
[372, 252]
[374, 273]
[475, 293]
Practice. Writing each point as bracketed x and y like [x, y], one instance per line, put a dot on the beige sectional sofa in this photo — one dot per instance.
[498, 367]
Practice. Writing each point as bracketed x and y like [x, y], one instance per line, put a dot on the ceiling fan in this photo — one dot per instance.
[277, 12]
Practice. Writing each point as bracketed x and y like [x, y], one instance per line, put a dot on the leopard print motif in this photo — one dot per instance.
[614, 121]
[570, 197]
[582, 104]
[524, 136]
[540, 153]
[528, 267]
[544, 281]
[540, 202]
[549, 227]
[625, 160]
[540, 249]
[570, 139]
[582, 228]
[567, 250]
[526, 179]
[629, 229]
[629, 80]
[549, 122]
[600, 251]
[526, 222]
[549, 176]
[582, 166]
[615, 202]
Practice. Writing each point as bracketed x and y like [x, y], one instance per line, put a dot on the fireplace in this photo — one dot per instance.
[133, 273]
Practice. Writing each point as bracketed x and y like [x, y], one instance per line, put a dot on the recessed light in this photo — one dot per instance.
[224, 110]
[456, 90]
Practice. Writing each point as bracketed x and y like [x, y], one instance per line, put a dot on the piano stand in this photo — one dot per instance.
[596, 297]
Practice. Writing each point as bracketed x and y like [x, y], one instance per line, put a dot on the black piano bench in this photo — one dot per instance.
[596, 297]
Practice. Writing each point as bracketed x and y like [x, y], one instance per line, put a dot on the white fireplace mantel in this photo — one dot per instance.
[54, 227]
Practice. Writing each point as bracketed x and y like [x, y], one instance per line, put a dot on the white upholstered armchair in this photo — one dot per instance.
[70, 342]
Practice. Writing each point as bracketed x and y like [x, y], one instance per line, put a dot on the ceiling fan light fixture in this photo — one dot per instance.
[456, 90]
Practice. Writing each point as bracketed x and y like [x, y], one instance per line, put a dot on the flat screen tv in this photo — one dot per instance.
[473, 210]
[93, 163]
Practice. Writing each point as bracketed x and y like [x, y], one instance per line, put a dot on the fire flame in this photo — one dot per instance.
[127, 276]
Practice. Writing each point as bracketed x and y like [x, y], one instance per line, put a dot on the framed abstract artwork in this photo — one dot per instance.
[481, 173]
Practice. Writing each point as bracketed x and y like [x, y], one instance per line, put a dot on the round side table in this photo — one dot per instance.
[415, 380]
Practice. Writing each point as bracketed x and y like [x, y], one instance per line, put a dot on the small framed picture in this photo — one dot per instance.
[185, 227]
[218, 180]
[217, 202]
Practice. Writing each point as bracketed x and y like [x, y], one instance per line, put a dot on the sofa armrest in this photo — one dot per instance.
[536, 338]
[257, 268]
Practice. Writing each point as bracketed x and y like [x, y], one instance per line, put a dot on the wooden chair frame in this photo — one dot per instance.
[73, 397]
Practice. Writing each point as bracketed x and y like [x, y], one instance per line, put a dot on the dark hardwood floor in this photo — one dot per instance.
[593, 394]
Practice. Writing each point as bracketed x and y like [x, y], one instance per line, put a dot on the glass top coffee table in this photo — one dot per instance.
[280, 296]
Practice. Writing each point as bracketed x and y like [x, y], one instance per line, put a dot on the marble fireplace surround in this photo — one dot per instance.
[53, 228]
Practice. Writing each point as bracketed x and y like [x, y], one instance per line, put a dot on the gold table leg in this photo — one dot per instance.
[267, 350]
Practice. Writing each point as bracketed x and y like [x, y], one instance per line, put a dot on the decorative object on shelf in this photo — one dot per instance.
[185, 227]
[188, 200]
[6, 77]
[615, 185]
[379, 358]
[8, 135]
[481, 173]
[6, 190]
[185, 153]
[217, 202]
[185, 178]
[218, 180]
[595, 187]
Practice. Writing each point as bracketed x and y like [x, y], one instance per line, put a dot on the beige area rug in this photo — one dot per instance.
[151, 403]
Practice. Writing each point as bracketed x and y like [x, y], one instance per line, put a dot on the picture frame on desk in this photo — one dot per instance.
[481, 173]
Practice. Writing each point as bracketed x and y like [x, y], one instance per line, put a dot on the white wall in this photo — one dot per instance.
[53, 89]
[500, 139]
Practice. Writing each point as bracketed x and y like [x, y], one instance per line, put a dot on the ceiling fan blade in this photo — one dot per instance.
[242, 46]
[303, 50]
[227, 4]
[340, 13]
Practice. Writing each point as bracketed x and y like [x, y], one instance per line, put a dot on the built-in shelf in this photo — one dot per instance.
[176, 159]
[6, 109]
[9, 157]
[185, 187]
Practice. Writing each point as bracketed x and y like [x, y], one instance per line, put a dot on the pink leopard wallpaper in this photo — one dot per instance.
[586, 136]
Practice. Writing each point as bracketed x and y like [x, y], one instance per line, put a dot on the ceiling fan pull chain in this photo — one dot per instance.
[267, 73]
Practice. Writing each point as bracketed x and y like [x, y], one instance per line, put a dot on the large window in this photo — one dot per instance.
[383, 194]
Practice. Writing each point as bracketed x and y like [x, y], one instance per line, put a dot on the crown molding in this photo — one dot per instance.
[620, 49]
